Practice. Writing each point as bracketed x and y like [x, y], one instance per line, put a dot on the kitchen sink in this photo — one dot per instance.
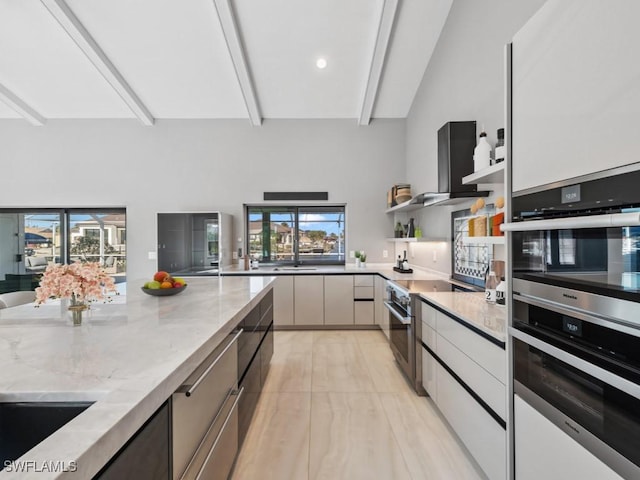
[23, 425]
[294, 268]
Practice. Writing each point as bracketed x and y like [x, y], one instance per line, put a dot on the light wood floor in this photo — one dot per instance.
[336, 406]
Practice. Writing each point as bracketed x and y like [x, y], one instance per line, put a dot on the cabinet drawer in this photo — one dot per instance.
[429, 368]
[481, 434]
[198, 401]
[363, 292]
[485, 385]
[429, 315]
[363, 281]
[429, 337]
[489, 356]
[363, 313]
[217, 452]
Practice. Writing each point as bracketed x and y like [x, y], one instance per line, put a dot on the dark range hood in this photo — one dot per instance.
[456, 142]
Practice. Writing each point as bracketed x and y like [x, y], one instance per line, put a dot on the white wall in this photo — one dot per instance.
[464, 81]
[196, 165]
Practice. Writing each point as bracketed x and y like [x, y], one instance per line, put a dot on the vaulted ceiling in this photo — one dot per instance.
[197, 59]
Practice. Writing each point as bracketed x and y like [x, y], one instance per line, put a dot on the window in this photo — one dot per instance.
[296, 234]
[31, 239]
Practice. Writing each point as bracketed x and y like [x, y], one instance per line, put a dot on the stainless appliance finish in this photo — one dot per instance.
[401, 328]
[581, 235]
[575, 313]
[405, 327]
[583, 377]
[205, 416]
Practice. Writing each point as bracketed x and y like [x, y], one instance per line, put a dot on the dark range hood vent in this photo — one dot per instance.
[456, 142]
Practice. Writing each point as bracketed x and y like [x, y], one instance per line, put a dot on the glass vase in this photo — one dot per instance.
[76, 308]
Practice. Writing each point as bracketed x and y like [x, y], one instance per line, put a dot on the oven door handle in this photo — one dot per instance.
[401, 319]
[593, 221]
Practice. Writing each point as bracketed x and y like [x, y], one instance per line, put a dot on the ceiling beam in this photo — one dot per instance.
[17, 104]
[74, 28]
[238, 58]
[385, 27]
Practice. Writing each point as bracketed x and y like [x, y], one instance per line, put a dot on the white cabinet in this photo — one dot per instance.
[338, 300]
[363, 281]
[486, 354]
[429, 371]
[576, 94]
[381, 314]
[429, 315]
[364, 294]
[544, 451]
[479, 365]
[481, 434]
[308, 299]
[283, 300]
[314, 300]
[364, 312]
[482, 382]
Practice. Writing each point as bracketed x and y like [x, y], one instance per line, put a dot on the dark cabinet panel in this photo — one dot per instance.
[266, 352]
[249, 399]
[146, 455]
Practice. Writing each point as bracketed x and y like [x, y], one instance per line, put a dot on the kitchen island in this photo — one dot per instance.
[127, 357]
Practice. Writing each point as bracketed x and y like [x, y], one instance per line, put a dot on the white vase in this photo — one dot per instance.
[358, 262]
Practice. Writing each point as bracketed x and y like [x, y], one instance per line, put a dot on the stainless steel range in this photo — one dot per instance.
[404, 307]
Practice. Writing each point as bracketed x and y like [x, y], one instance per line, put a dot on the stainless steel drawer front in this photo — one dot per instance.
[217, 451]
[192, 415]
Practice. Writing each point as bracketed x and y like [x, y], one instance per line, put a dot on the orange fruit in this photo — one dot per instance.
[166, 285]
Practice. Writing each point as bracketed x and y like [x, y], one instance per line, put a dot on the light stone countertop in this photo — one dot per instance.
[384, 269]
[473, 309]
[129, 357]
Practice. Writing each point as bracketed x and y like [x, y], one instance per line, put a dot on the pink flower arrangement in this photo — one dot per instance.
[81, 282]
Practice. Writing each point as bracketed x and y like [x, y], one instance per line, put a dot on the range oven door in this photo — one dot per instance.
[400, 337]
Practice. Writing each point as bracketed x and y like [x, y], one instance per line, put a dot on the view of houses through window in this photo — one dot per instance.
[32, 239]
[296, 234]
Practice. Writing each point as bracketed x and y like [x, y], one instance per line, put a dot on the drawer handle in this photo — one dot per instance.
[196, 384]
[237, 394]
[401, 319]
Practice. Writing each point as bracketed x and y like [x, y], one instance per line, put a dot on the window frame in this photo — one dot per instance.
[64, 215]
[295, 209]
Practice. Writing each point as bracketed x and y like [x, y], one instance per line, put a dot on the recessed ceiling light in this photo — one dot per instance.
[321, 63]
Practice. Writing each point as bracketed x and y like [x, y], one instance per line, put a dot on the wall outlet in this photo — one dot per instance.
[435, 255]
[352, 254]
[385, 253]
[234, 255]
[152, 256]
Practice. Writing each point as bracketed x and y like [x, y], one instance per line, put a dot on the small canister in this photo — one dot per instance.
[500, 148]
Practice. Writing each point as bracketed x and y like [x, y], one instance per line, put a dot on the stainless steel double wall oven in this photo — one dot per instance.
[576, 311]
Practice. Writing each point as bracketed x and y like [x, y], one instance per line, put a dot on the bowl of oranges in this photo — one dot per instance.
[164, 285]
